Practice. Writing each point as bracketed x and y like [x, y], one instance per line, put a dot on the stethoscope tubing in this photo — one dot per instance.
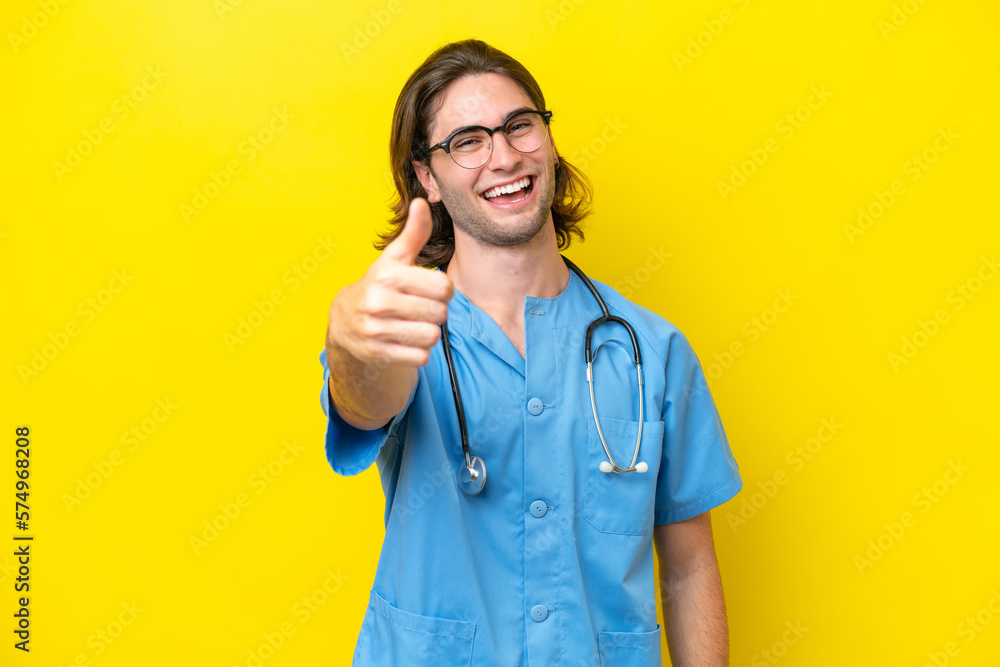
[473, 476]
[600, 432]
[454, 390]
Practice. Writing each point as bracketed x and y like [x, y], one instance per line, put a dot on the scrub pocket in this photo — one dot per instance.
[630, 649]
[622, 502]
[391, 636]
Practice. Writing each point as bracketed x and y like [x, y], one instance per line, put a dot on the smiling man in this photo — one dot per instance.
[536, 433]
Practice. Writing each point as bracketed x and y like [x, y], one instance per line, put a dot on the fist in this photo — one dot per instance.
[391, 315]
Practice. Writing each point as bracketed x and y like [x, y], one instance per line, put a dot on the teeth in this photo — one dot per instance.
[507, 189]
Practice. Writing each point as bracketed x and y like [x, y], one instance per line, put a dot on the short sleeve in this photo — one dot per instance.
[697, 471]
[351, 450]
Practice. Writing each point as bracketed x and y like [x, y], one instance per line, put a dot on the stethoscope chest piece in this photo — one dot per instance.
[472, 477]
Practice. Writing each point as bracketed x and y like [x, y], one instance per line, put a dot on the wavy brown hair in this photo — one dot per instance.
[409, 140]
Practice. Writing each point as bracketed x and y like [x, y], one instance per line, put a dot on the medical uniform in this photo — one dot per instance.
[552, 563]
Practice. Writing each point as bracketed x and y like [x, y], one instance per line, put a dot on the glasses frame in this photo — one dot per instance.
[443, 145]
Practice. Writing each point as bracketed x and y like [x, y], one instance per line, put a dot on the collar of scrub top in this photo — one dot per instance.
[472, 476]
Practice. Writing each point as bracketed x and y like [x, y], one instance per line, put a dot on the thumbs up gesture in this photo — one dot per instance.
[390, 316]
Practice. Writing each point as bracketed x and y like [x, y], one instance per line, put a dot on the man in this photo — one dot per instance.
[546, 558]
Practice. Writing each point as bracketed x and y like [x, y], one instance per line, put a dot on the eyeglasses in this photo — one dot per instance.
[471, 147]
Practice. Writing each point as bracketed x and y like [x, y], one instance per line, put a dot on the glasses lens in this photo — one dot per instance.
[526, 132]
[471, 149]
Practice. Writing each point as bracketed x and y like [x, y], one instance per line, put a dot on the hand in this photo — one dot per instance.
[391, 315]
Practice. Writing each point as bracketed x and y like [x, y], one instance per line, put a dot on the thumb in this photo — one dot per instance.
[417, 230]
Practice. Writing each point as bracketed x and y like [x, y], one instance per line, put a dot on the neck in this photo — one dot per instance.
[497, 279]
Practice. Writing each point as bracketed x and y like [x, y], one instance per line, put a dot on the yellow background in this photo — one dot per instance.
[661, 132]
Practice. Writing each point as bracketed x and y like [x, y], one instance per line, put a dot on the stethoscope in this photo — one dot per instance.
[472, 476]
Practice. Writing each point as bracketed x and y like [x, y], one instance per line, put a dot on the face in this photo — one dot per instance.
[487, 100]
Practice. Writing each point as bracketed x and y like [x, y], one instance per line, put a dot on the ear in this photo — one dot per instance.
[426, 179]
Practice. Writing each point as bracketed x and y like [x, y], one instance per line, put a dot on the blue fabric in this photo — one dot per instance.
[459, 575]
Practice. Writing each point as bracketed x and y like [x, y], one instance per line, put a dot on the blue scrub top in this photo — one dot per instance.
[552, 563]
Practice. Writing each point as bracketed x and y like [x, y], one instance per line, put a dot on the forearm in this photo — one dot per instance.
[694, 610]
[367, 395]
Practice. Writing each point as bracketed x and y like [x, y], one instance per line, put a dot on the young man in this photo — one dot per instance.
[524, 536]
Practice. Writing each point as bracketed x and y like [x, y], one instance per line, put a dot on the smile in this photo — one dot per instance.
[511, 193]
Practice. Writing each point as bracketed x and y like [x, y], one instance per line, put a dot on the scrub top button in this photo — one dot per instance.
[539, 613]
[535, 406]
[538, 509]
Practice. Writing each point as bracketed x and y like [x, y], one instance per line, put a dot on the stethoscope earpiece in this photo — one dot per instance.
[639, 467]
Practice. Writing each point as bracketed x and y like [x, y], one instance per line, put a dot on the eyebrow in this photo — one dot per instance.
[516, 111]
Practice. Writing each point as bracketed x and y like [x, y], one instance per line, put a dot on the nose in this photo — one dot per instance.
[504, 155]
